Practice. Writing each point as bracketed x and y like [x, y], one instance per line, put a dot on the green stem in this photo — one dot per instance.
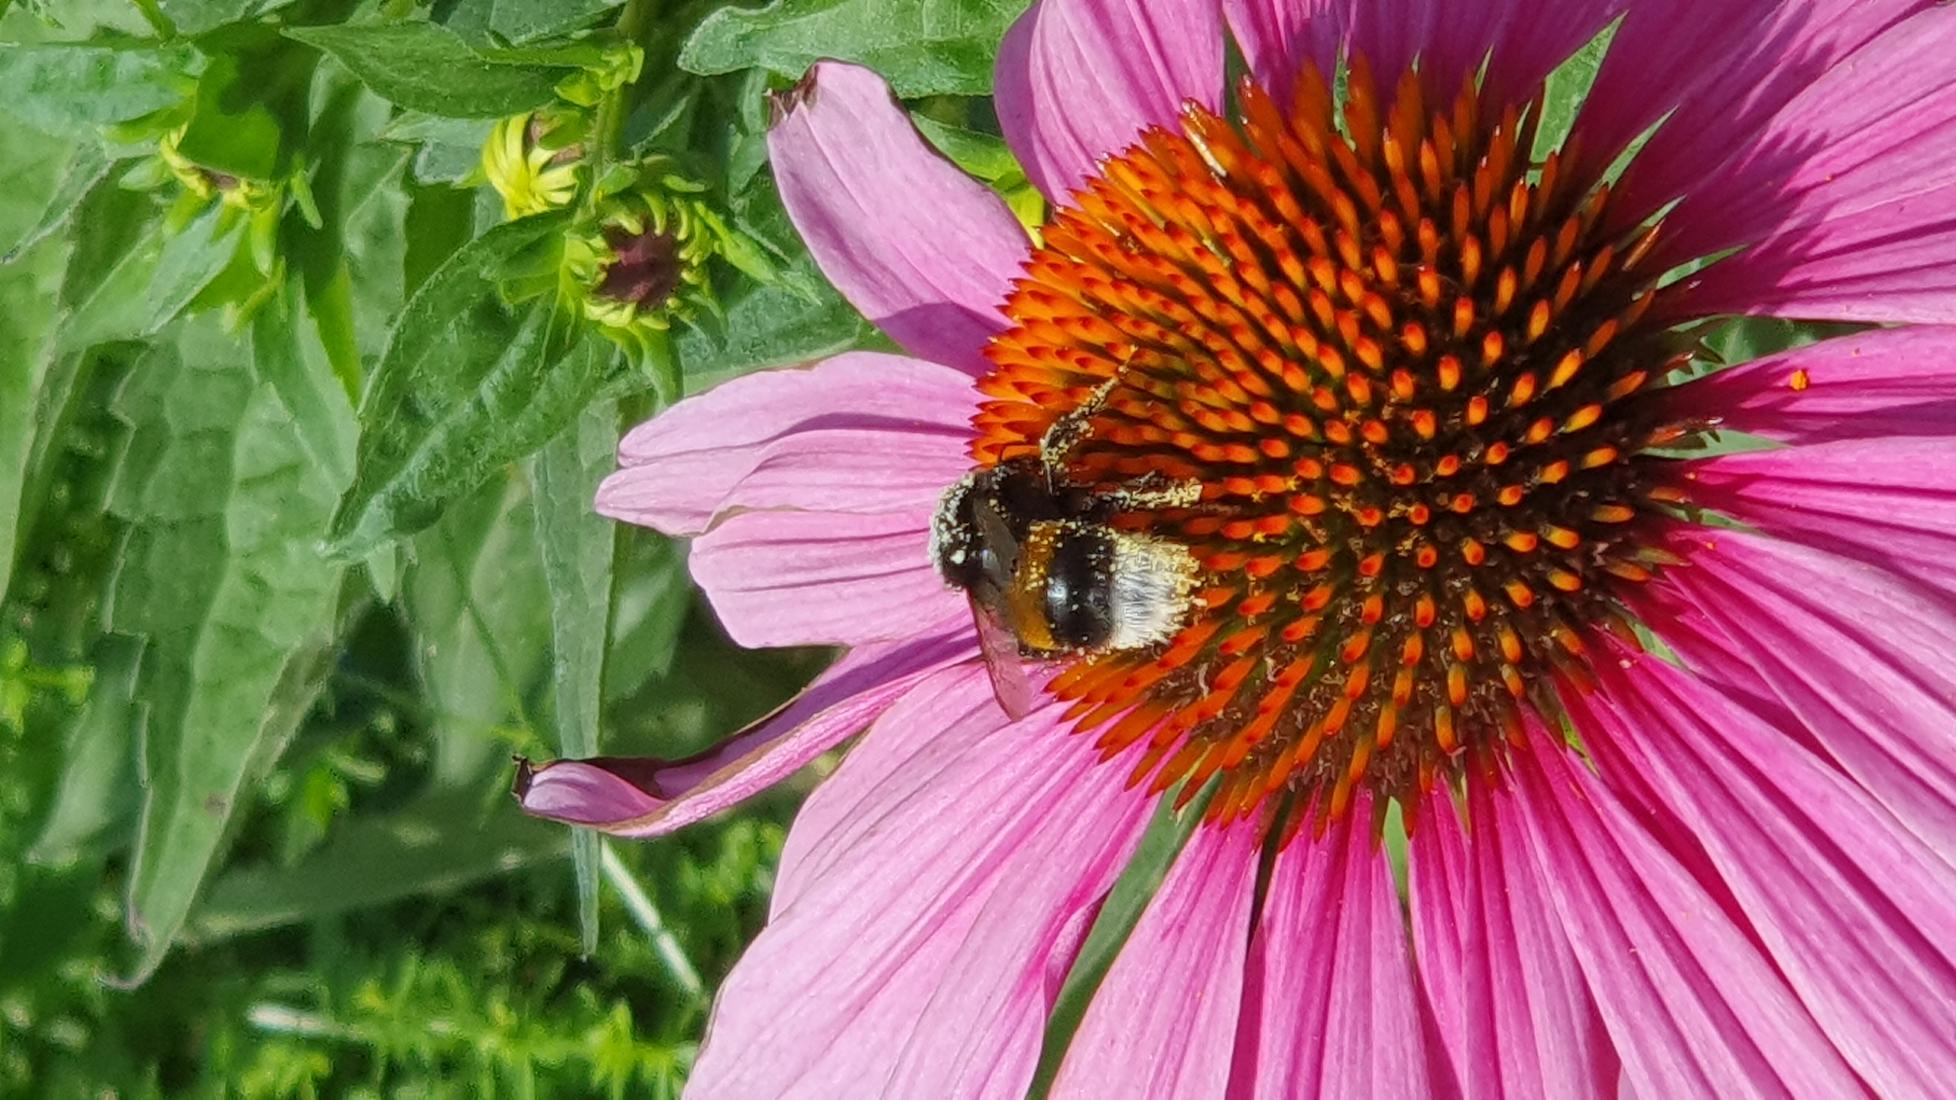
[609, 124]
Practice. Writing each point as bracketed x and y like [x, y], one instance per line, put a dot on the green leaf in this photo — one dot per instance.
[96, 794]
[467, 385]
[481, 617]
[447, 150]
[130, 275]
[772, 325]
[524, 20]
[922, 47]
[430, 68]
[64, 88]
[198, 16]
[1566, 88]
[24, 188]
[26, 352]
[220, 572]
[983, 155]
[416, 852]
[652, 597]
[576, 546]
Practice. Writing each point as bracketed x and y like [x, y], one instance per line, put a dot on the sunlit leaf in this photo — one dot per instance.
[430, 68]
[576, 546]
[130, 274]
[524, 20]
[922, 47]
[66, 89]
[480, 614]
[416, 852]
[468, 383]
[221, 575]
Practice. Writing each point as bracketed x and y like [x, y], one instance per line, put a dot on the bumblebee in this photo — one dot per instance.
[1047, 573]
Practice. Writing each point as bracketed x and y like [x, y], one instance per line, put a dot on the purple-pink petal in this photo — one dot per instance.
[1860, 657]
[1691, 1005]
[1277, 38]
[1890, 502]
[921, 962]
[1333, 1010]
[647, 797]
[863, 432]
[1508, 998]
[1078, 80]
[924, 251]
[1849, 906]
[812, 578]
[1163, 1021]
[1885, 382]
[1528, 39]
[1768, 52]
[1846, 198]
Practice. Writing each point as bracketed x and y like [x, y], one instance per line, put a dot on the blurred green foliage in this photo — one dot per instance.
[298, 437]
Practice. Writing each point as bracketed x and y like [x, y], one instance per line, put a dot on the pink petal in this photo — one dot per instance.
[1885, 382]
[1333, 1008]
[1079, 80]
[1278, 36]
[926, 252]
[1768, 51]
[1508, 995]
[905, 748]
[1847, 197]
[648, 797]
[810, 578]
[1535, 37]
[1890, 502]
[1527, 38]
[1163, 1021]
[1850, 907]
[862, 432]
[923, 964]
[1861, 659]
[1693, 1007]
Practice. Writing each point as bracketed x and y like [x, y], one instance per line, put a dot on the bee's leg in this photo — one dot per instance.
[1155, 490]
[1070, 429]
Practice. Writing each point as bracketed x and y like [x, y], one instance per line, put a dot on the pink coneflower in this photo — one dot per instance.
[1437, 392]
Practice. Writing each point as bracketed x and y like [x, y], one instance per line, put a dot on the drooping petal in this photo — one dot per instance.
[924, 251]
[1164, 1019]
[1768, 51]
[1691, 1005]
[647, 797]
[1859, 657]
[862, 432]
[813, 578]
[1889, 502]
[1846, 199]
[1851, 908]
[1885, 382]
[1509, 999]
[1080, 79]
[1334, 1011]
[923, 963]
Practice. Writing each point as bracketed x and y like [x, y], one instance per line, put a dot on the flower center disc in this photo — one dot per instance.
[1412, 373]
